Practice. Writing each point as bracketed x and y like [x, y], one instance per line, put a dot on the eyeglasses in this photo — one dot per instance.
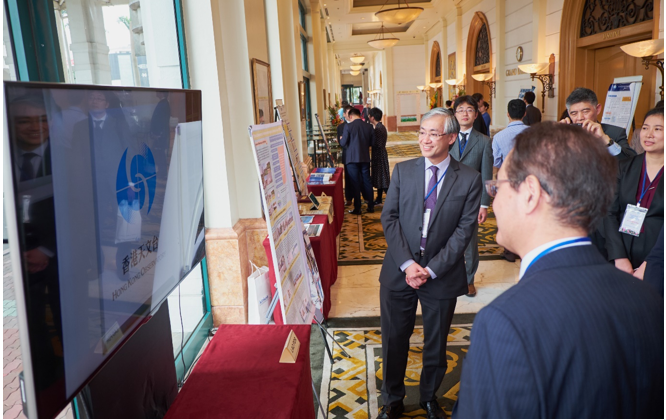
[465, 111]
[492, 186]
[431, 136]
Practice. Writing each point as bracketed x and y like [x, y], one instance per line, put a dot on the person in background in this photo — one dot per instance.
[424, 261]
[349, 189]
[365, 114]
[473, 149]
[341, 111]
[639, 197]
[574, 338]
[503, 143]
[483, 110]
[584, 109]
[358, 138]
[380, 171]
[479, 123]
[449, 105]
[532, 113]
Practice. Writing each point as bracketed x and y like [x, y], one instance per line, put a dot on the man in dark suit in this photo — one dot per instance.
[358, 137]
[429, 217]
[532, 113]
[654, 265]
[584, 109]
[543, 349]
[473, 149]
[349, 191]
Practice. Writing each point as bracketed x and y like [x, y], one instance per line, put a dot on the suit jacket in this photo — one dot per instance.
[340, 130]
[452, 224]
[478, 155]
[622, 245]
[358, 138]
[654, 269]
[532, 115]
[480, 124]
[619, 136]
[543, 349]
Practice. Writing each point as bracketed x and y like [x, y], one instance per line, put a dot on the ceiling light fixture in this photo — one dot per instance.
[354, 73]
[356, 67]
[399, 15]
[382, 42]
[357, 58]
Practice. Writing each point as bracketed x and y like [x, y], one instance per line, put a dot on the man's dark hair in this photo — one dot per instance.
[354, 111]
[573, 167]
[376, 113]
[469, 100]
[516, 109]
[345, 103]
[486, 104]
[582, 94]
[478, 97]
[346, 108]
[658, 110]
[530, 97]
[448, 103]
[659, 104]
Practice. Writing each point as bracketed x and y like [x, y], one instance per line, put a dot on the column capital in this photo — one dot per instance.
[315, 6]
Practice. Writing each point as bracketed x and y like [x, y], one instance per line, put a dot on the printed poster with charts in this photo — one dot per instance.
[301, 175]
[621, 101]
[294, 264]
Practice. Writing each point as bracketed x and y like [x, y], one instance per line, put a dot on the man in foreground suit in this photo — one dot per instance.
[474, 149]
[543, 349]
[429, 217]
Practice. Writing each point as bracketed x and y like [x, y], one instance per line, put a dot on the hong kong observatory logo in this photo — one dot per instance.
[131, 190]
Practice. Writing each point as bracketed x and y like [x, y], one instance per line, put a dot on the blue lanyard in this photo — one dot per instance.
[555, 247]
[643, 190]
[433, 188]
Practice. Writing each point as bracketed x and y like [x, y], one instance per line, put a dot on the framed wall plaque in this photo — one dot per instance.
[262, 93]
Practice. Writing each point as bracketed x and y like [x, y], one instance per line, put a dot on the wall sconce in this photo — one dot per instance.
[485, 79]
[422, 88]
[646, 50]
[435, 85]
[458, 84]
[547, 80]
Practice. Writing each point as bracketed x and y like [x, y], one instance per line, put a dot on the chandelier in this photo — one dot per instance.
[354, 72]
[382, 42]
[399, 15]
[357, 58]
[356, 67]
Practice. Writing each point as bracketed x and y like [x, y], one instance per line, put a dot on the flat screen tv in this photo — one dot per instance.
[107, 218]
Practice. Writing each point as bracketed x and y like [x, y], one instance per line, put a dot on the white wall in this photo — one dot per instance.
[553, 23]
[408, 70]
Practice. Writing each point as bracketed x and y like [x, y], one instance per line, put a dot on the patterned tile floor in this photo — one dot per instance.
[12, 407]
[350, 387]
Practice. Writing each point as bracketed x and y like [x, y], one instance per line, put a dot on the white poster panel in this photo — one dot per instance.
[301, 175]
[296, 273]
[621, 101]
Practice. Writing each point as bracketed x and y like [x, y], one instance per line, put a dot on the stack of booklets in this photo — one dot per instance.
[321, 176]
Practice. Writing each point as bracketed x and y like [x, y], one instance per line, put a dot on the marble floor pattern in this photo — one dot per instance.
[356, 292]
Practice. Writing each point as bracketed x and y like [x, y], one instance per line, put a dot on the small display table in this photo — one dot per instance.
[239, 376]
[334, 190]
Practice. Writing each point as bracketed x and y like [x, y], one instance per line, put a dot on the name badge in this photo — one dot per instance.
[633, 219]
[426, 223]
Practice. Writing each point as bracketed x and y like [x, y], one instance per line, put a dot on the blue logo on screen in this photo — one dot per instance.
[131, 191]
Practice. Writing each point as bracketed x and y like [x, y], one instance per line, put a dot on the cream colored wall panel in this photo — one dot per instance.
[553, 45]
[515, 5]
[553, 22]
[554, 6]
[518, 36]
[451, 38]
[519, 18]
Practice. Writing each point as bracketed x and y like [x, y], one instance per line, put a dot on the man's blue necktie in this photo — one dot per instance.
[463, 143]
[27, 171]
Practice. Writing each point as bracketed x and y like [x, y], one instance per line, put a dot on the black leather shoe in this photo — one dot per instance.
[509, 256]
[433, 410]
[391, 411]
[378, 203]
[356, 212]
[370, 210]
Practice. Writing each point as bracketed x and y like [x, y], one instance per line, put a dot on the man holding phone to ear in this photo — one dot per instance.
[584, 109]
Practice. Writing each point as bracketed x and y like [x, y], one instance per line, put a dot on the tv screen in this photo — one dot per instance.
[107, 189]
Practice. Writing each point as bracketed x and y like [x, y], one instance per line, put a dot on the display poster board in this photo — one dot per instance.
[325, 140]
[524, 90]
[621, 101]
[292, 147]
[295, 267]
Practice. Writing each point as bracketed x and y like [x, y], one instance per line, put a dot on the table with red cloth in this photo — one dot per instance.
[239, 376]
[335, 191]
[324, 250]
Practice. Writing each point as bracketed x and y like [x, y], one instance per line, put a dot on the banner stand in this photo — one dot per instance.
[323, 136]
